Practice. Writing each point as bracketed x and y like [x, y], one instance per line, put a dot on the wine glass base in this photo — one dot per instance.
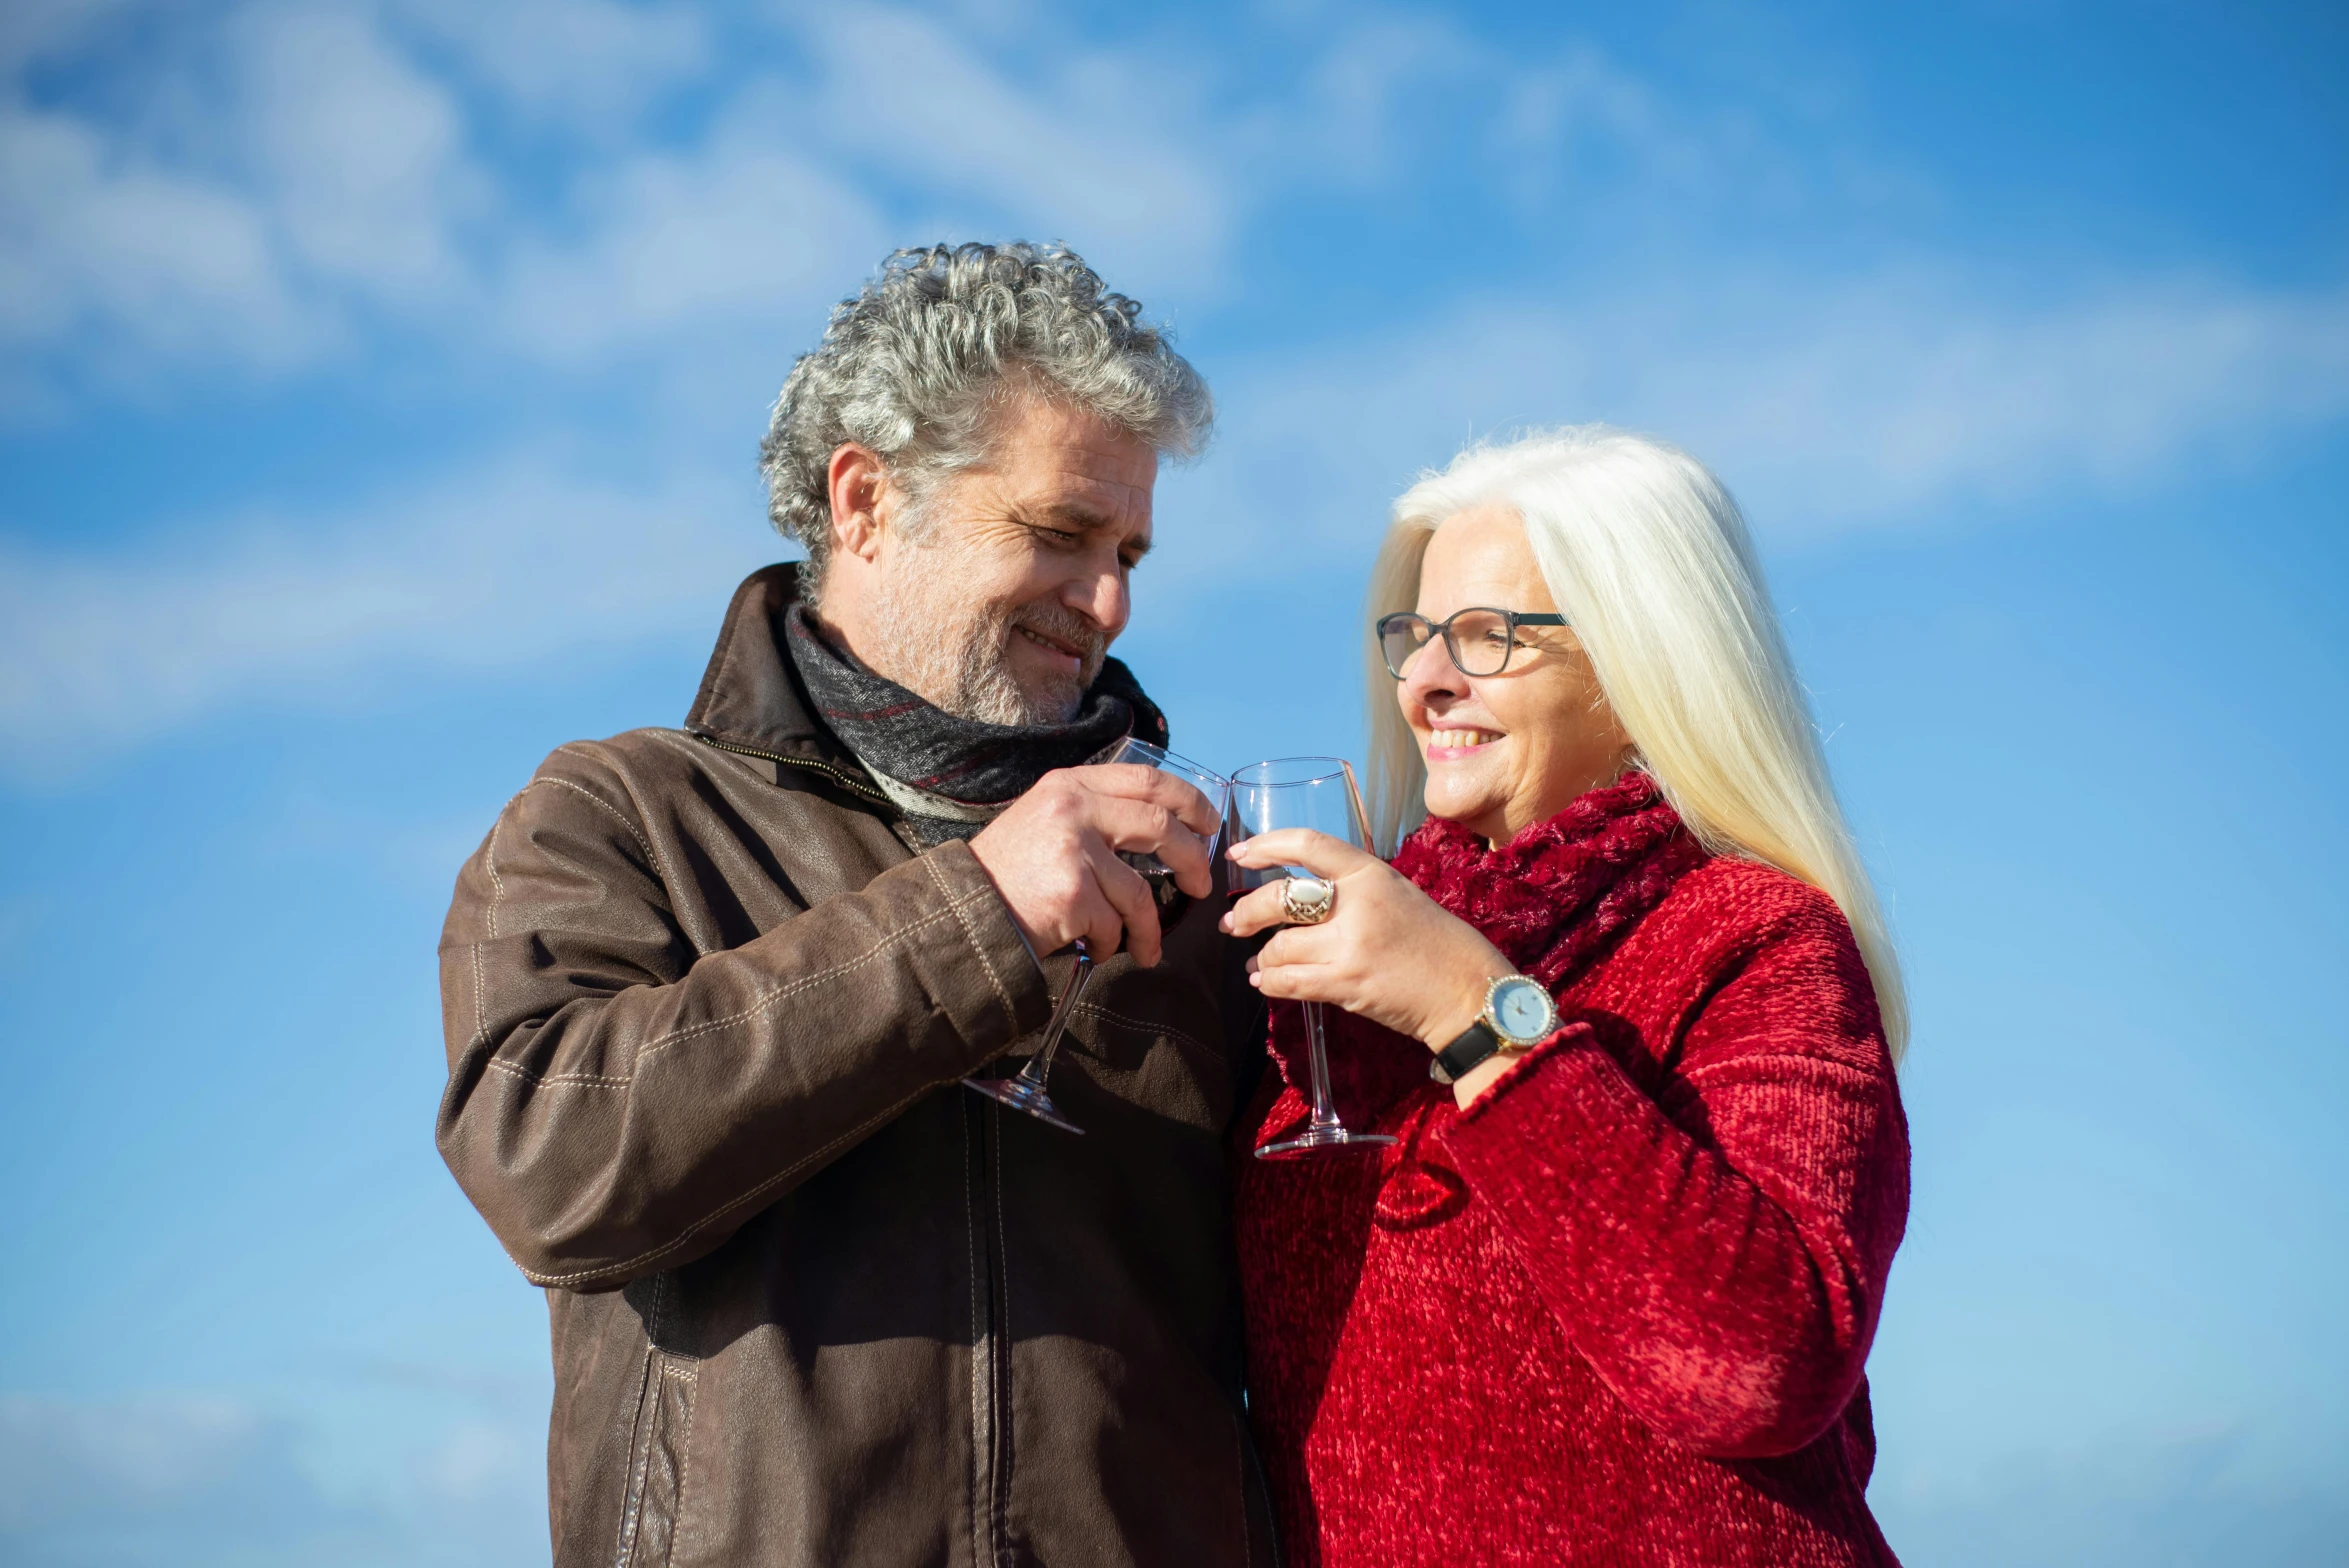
[1024, 1097]
[1313, 1139]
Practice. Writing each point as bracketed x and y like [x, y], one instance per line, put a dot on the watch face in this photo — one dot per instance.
[1522, 1010]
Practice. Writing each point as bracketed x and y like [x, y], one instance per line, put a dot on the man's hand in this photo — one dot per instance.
[1053, 855]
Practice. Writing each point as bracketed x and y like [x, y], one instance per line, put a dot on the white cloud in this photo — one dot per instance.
[1883, 402]
[340, 176]
[67, 1458]
[233, 224]
[93, 233]
[361, 155]
[1832, 410]
[590, 65]
[2158, 1501]
[33, 29]
[523, 560]
[313, 167]
[1077, 157]
[194, 1481]
[737, 233]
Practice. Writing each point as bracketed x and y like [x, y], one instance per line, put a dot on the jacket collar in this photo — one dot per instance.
[750, 694]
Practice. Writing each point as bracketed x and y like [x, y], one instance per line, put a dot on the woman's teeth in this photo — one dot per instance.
[1460, 740]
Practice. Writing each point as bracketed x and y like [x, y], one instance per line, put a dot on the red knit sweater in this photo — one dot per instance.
[1617, 1312]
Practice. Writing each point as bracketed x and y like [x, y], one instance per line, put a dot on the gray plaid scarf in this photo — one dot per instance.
[953, 776]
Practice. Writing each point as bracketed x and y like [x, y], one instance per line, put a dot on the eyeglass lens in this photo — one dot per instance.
[1478, 641]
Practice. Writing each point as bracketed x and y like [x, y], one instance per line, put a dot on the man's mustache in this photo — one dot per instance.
[1063, 624]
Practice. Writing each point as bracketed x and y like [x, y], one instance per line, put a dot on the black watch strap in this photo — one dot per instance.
[1467, 1051]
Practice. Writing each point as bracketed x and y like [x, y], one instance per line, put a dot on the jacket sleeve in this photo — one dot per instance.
[618, 1103]
[1719, 1264]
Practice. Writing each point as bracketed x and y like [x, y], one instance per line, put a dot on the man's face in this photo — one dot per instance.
[1000, 601]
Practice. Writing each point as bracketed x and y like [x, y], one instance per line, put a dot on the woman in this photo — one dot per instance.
[1608, 1297]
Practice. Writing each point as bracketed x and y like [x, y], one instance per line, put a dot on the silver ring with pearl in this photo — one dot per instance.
[1308, 901]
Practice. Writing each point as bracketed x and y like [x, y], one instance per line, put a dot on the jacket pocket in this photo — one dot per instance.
[656, 1462]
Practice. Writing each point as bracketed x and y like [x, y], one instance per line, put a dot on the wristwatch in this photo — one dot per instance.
[1518, 1015]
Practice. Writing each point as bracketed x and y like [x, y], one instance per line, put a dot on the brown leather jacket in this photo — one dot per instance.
[812, 1302]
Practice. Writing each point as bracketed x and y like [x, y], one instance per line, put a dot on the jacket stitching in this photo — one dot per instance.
[688, 1376]
[497, 896]
[685, 1237]
[761, 1005]
[652, 860]
[584, 1080]
[648, 1404]
[1143, 1027]
[1011, 1015]
[758, 1008]
[480, 1005]
[489, 863]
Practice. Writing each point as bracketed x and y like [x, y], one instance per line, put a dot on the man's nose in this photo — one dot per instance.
[1102, 596]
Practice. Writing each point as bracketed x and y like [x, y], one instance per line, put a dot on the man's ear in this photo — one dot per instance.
[858, 481]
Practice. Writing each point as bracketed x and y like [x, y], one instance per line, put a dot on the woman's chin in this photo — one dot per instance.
[1468, 807]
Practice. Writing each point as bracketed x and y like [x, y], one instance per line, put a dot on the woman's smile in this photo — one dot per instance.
[1453, 745]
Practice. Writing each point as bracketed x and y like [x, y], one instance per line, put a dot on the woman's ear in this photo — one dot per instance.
[858, 480]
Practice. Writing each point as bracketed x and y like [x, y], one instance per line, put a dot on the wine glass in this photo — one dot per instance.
[1213, 785]
[1316, 793]
[1024, 1090]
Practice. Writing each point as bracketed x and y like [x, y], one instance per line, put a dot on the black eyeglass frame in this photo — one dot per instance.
[1511, 618]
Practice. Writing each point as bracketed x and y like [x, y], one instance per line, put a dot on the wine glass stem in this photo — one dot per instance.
[1317, 1057]
[1040, 1063]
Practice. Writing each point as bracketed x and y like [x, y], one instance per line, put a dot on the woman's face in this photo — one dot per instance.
[1508, 750]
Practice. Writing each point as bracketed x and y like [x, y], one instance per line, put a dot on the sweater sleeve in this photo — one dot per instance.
[1720, 1264]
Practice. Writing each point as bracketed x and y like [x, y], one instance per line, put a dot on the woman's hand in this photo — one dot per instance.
[1388, 952]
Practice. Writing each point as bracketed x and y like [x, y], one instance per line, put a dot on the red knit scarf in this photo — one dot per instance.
[1555, 895]
[1551, 899]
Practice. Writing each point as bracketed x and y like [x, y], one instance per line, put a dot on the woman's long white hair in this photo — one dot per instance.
[1650, 563]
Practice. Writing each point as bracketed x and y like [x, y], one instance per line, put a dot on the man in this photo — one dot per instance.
[709, 993]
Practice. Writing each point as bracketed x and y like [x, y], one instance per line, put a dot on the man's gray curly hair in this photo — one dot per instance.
[915, 366]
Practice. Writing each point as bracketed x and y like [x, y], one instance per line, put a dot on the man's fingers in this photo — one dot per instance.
[1316, 852]
[1133, 781]
[1129, 895]
[1149, 828]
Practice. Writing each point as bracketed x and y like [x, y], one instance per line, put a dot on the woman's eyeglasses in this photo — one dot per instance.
[1479, 640]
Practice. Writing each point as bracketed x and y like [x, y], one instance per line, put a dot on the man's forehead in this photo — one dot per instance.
[1093, 473]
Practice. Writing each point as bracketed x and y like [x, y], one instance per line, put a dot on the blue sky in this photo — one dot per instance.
[379, 391]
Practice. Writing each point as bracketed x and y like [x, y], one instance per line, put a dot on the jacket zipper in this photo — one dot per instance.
[990, 1372]
[845, 780]
[991, 1390]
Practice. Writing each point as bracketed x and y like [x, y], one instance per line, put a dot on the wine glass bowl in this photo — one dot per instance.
[1317, 793]
[1206, 781]
[1024, 1090]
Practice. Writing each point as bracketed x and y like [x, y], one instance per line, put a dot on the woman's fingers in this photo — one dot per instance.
[1316, 852]
[1300, 982]
[1254, 912]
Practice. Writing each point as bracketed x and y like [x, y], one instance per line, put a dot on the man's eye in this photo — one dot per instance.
[1060, 535]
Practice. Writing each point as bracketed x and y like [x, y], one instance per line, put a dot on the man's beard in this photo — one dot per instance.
[957, 655]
